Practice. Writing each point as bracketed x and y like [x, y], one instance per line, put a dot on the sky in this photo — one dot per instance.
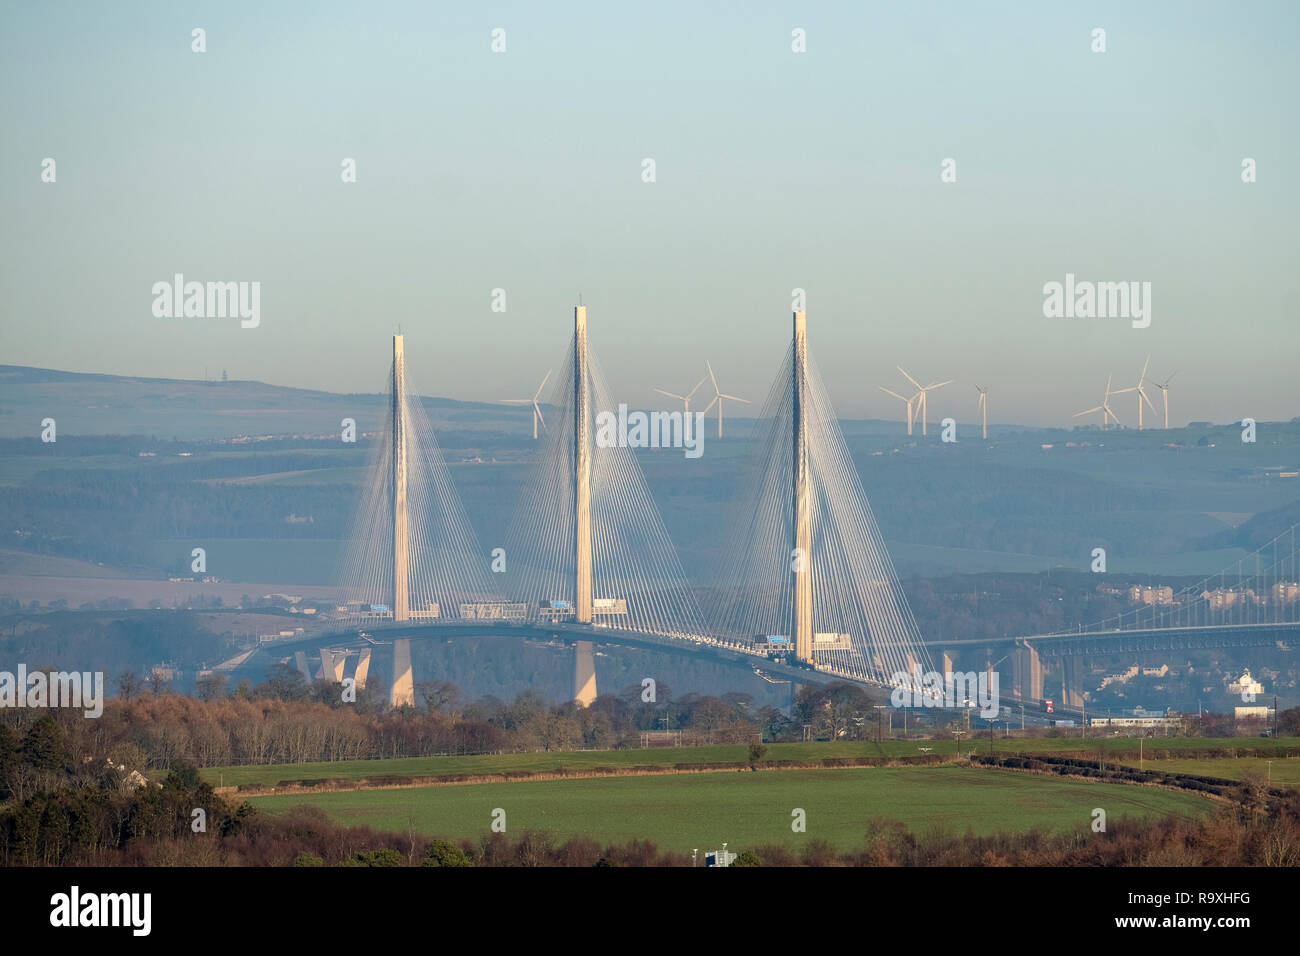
[522, 170]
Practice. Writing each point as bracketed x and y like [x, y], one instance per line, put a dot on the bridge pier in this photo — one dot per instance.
[331, 665]
[947, 663]
[1071, 681]
[300, 662]
[403, 692]
[584, 674]
[1027, 670]
[363, 669]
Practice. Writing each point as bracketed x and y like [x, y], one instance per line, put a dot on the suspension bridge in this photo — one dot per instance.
[807, 593]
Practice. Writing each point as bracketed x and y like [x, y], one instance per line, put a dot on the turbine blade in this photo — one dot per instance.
[908, 377]
[537, 394]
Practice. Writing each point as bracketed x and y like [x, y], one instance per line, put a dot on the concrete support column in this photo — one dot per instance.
[331, 665]
[584, 674]
[363, 669]
[1035, 672]
[403, 692]
[1072, 682]
[1029, 673]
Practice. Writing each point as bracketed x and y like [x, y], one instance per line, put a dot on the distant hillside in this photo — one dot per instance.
[1256, 532]
[93, 404]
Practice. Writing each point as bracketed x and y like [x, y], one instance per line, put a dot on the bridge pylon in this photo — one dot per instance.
[801, 557]
[581, 470]
[401, 553]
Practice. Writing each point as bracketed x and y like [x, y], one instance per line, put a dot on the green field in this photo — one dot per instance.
[1285, 771]
[272, 774]
[746, 809]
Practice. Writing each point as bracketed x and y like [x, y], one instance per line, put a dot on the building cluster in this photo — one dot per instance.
[1124, 676]
[1282, 592]
[1138, 594]
[1166, 721]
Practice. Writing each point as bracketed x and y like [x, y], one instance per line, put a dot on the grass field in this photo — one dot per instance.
[747, 809]
[1285, 771]
[272, 774]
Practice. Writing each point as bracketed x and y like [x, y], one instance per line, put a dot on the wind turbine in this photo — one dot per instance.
[1142, 395]
[984, 408]
[1164, 391]
[901, 399]
[1104, 407]
[718, 396]
[921, 395]
[537, 409]
[686, 399]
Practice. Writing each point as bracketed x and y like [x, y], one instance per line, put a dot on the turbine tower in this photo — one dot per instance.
[718, 396]
[1142, 395]
[582, 470]
[984, 409]
[401, 581]
[537, 409]
[1106, 413]
[909, 402]
[922, 390]
[801, 559]
[1164, 391]
[686, 399]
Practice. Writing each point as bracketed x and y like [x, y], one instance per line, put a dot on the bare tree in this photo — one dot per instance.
[128, 685]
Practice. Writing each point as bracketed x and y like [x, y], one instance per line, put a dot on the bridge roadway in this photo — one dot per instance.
[1136, 640]
[697, 647]
[742, 655]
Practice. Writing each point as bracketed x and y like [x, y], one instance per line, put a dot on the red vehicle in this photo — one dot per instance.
[1047, 705]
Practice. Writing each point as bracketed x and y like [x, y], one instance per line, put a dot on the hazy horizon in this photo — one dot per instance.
[775, 170]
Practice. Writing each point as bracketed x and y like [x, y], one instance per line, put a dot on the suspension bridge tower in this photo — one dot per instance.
[584, 671]
[581, 469]
[401, 578]
[403, 691]
[801, 555]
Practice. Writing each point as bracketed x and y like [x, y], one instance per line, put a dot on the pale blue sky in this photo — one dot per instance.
[775, 170]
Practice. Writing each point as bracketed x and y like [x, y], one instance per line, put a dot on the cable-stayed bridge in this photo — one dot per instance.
[810, 588]
[807, 592]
